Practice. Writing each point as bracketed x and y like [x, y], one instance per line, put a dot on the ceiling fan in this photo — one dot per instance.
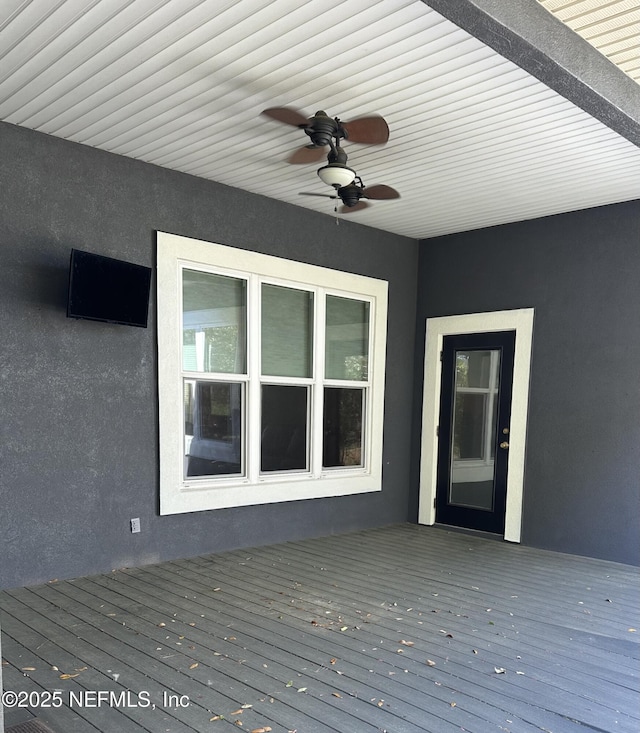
[324, 130]
[327, 131]
[352, 194]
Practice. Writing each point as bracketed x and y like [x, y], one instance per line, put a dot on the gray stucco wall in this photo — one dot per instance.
[78, 439]
[1, 688]
[580, 272]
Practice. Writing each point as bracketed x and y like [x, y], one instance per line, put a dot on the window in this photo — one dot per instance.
[271, 378]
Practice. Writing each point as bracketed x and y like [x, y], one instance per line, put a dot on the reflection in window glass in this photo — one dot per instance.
[213, 428]
[213, 323]
[287, 331]
[347, 339]
[469, 426]
[473, 369]
[284, 428]
[342, 427]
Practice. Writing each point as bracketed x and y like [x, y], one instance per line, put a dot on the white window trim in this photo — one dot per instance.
[177, 494]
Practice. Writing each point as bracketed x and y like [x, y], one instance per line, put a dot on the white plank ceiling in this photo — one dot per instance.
[474, 140]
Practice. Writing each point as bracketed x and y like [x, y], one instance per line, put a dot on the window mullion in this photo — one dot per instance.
[318, 388]
[253, 384]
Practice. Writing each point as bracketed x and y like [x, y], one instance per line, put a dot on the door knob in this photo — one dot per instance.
[504, 444]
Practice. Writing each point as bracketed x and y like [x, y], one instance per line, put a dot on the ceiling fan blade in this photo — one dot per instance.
[288, 115]
[324, 195]
[371, 130]
[350, 209]
[307, 155]
[380, 192]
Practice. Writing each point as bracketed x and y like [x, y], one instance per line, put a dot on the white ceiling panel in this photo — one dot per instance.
[474, 139]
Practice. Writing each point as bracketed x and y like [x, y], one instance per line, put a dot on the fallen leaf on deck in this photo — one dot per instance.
[499, 670]
[431, 663]
[380, 703]
[336, 694]
[194, 665]
[28, 669]
[237, 712]
[68, 676]
[162, 624]
[302, 689]
[407, 643]
[266, 729]
[246, 706]
[289, 684]
[216, 717]
[453, 704]
[333, 660]
[344, 628]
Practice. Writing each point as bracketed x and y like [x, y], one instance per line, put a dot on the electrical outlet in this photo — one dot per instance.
[135, 525]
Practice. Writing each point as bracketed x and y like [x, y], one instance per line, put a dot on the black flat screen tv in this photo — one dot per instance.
[105, 289]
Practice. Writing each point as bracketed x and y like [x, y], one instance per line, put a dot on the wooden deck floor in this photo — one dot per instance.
[403, 629]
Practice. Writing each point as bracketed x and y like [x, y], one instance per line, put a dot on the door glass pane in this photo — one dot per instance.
[473, 368]
[213, 426]
[284, 428]
[474, 429]
[469, 426]
[287, 332]
[213, 323]
[342, 427]
[347, 339]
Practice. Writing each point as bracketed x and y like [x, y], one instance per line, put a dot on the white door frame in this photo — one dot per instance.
[520, 321]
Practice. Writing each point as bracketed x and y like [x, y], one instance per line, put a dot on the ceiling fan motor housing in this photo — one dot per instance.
[322, 129]
[350, 194]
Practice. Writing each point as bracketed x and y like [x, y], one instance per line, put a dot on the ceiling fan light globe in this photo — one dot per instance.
[336, 175]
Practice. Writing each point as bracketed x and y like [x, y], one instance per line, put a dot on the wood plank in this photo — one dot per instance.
[232, 639]
[550, 691]
[350, 621]
[464, 601]
[92, 670]
[360, 663]
[183, 660]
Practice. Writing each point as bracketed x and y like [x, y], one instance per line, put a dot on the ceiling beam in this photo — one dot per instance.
[524, 32]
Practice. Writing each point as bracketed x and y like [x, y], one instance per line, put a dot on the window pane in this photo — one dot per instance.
[287, 331]
[473, 369]
[284, 428]
[342, 427]
[469, 426]
[213, 323]
[213, 428]
[347, 339]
